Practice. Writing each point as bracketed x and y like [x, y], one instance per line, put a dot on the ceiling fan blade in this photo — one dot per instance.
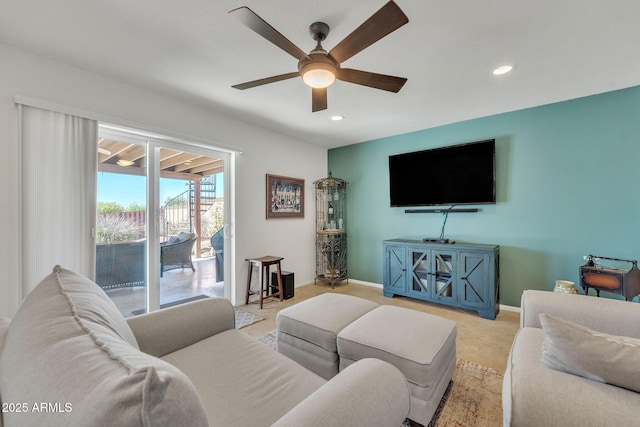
[260, 26]
[385, 21]
[318, 99]
[266, 80]
[374, 80]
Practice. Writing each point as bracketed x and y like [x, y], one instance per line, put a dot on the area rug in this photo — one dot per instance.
[244, 318]
[473, 398]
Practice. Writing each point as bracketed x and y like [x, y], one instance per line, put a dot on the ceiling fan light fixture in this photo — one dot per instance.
[319, 68]
[125, 163]
[318, 75]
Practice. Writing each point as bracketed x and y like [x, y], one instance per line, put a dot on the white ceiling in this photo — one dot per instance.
[193, 50]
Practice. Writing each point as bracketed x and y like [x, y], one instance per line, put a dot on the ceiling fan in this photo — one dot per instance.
[319, 68]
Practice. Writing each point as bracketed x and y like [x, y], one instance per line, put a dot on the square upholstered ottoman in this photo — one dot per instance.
[421, 345]
[307, 331]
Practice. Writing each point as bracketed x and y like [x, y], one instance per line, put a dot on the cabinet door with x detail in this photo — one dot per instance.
[474, 276]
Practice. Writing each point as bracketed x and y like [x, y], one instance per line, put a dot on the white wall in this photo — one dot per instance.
[26, 74]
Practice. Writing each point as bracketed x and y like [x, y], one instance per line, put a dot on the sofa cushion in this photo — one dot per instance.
[242, 381]
[571, 348]
[69, 348]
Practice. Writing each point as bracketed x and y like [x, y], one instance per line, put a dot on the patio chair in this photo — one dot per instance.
[120, 264]
[176, 252]
[217, 243]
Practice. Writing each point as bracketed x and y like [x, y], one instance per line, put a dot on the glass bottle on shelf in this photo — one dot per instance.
[332, 224]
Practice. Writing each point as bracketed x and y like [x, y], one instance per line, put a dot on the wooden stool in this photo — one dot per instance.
[265, 263]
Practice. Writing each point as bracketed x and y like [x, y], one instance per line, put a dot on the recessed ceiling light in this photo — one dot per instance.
[337, 118]
[503, 69]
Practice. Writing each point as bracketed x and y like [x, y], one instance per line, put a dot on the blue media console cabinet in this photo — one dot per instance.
[461, 275]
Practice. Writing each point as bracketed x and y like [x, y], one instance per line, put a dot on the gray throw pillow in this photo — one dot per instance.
[577, 350]
[69, 348]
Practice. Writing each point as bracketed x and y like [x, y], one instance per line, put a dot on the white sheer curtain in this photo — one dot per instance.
[58, 185]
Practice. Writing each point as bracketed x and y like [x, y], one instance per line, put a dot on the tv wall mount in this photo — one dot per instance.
[445, 212]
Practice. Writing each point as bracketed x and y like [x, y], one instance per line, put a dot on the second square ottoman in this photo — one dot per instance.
[421, 345]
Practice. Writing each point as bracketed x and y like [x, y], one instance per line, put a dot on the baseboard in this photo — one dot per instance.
[362, 282]
[509, 308]
[379, 286]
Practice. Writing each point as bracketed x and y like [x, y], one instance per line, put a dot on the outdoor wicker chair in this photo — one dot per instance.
[120, 264]
[217, 243]
[176, 252]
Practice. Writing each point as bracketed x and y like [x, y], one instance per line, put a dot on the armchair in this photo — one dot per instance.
[176, 252]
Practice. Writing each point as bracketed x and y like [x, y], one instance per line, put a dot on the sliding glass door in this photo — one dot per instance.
[190, 219]
[121, 221]
[161, 216]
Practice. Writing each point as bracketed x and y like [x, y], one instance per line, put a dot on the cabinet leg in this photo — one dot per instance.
[280, 291]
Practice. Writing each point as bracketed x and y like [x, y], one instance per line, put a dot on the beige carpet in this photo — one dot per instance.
[473, 398]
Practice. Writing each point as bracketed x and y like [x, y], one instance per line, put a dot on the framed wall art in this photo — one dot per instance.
[285, 197]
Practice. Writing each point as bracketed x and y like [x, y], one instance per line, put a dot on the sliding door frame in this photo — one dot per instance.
[154, 143]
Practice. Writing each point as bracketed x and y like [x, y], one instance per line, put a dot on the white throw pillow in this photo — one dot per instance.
[581, 351]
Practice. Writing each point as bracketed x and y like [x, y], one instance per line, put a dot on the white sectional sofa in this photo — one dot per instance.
[68, 358]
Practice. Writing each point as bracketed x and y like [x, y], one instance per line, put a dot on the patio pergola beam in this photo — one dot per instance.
[132, 170]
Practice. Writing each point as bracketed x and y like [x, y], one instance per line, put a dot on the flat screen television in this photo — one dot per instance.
[452, 175]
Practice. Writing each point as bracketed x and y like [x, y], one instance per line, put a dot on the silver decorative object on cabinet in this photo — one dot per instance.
[331, 230]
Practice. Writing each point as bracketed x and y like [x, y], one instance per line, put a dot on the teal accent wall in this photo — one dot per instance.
[567, 184]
